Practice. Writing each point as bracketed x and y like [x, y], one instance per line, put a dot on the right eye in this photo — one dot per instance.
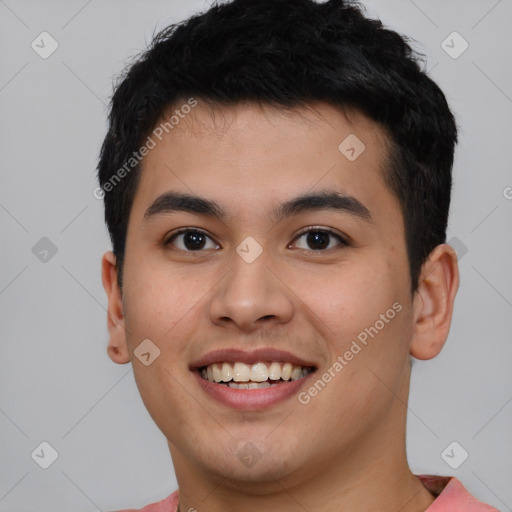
[190, 240]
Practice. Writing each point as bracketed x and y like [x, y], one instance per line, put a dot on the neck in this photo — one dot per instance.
[381, 490]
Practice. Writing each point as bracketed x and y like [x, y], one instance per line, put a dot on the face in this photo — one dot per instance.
[230, 280]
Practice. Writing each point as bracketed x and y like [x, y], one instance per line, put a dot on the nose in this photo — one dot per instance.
[251, 296]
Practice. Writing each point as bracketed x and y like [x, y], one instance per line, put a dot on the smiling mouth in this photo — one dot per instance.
[253, 376]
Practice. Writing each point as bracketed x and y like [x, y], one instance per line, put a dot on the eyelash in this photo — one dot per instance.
[341, 239]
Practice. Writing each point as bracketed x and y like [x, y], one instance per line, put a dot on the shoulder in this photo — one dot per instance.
[169, 504]
[452, 496]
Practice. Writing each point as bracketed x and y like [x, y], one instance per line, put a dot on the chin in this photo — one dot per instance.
[261, 463]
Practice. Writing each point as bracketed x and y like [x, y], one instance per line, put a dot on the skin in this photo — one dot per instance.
[345, 449]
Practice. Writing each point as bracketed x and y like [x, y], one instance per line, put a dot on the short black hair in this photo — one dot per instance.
[290, 53]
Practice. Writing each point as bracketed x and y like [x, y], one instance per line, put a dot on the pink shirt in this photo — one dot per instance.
[452, 496]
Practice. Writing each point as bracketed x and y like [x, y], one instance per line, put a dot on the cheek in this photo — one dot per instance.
[368, 331]
[158, 301]
[347, 299]
[162, 306]
[364, 315]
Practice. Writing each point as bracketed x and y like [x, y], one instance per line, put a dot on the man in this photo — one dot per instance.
[277, 178]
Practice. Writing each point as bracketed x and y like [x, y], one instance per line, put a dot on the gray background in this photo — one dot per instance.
[56, 381]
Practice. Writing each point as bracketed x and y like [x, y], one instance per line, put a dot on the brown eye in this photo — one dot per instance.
[191, 240]
[320, 239]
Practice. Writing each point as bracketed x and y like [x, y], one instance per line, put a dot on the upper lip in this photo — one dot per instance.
[233, 355]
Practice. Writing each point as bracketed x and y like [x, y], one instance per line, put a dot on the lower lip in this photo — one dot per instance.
[251, 399]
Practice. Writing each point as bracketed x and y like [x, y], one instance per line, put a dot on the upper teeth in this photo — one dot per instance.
[258, 372]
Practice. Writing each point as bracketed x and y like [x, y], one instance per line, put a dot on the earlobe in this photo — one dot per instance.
[433, 302]
[117, 345]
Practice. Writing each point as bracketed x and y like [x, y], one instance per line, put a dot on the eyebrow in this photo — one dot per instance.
[170, 202]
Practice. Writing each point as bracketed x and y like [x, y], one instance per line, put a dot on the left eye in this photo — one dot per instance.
[319, 239]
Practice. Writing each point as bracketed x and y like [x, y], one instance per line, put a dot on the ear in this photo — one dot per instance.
[117, 346]
[433, 302]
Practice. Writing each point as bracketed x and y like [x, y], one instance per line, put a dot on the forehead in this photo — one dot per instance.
[249, 157]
